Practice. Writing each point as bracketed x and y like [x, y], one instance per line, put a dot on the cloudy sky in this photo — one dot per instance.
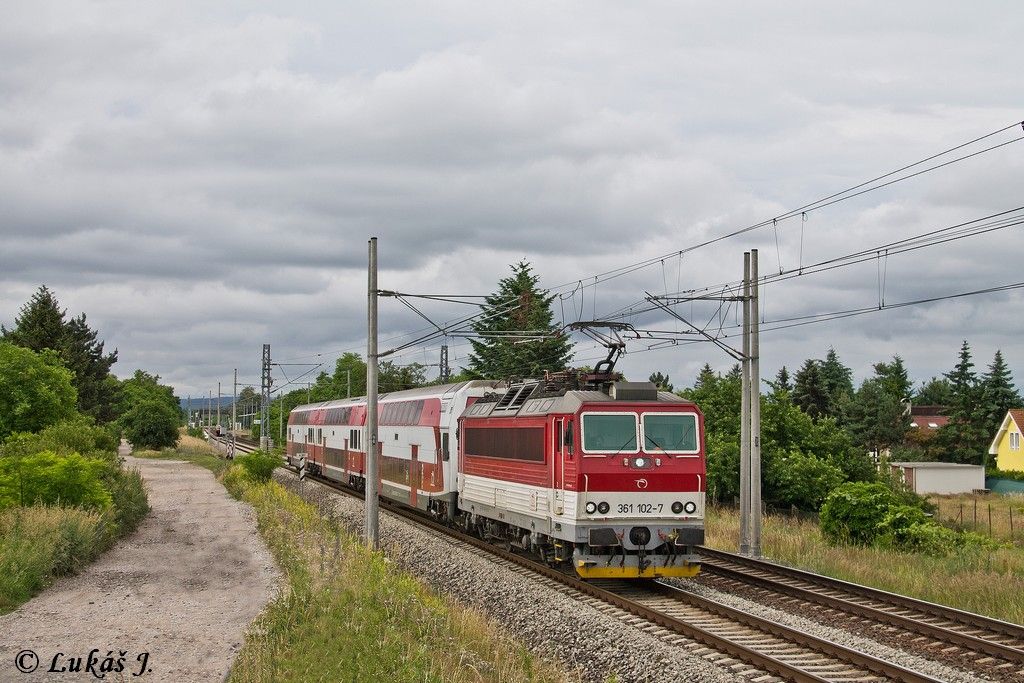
[202, 178]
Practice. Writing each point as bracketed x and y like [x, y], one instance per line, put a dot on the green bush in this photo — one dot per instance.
[894, 531]
[803, 480]
[131, 504]
[853, 512]
[50, 479]
[151, 424]
[259, 465]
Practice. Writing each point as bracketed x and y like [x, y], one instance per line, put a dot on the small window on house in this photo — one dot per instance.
[1014, 441]
[932, 425]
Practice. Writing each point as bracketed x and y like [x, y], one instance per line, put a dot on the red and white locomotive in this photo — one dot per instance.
[608, 476]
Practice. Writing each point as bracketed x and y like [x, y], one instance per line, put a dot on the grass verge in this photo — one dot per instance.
[987, 582]
[190, 449]
[348, 615]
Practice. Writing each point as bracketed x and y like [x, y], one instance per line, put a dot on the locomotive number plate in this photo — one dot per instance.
[640, 508]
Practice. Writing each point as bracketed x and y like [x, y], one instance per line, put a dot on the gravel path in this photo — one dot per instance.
[590, 644]
[183, 588]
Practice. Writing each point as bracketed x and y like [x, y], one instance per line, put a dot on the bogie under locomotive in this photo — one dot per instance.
[611, 481]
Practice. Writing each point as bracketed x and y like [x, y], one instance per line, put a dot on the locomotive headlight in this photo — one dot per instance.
[591, 508]
[690, 507]
[677, 507]
[603, 507]
[639, 462]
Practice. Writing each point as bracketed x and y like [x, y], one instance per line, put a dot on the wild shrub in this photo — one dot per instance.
[131, 504]
[894, 531]
[151, 424]
[50, 479]
[853, 512]
[259, 465]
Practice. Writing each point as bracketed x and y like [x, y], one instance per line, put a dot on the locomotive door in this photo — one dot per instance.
[414, 475]
[558, 465]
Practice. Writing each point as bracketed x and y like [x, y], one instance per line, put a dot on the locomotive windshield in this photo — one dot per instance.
[609, 433]
[670, 432]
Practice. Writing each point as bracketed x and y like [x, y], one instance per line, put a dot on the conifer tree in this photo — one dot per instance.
[809, 391]
[663, 382]
[894, 379]
[519, 304]
[998, 394]
[838, 382]
[963, 438]
[934, 392]
[42, 324]
[782, 381]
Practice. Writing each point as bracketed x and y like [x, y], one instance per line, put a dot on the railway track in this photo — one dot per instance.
[757, 648]
[985, 644]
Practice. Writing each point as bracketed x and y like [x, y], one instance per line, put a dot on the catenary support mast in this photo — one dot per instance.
[372, 534]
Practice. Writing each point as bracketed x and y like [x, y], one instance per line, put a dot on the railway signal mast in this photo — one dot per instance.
[265, 401]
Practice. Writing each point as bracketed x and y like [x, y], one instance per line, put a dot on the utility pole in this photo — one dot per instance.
[218, 404]
[265, 404]
[755, 412]
[446, 373]
[209, 409]
[745, 415]
[189, 413]
[372, 534]
[280, 418]
[234, 400]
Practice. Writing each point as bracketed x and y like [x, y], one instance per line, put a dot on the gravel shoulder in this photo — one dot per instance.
[182, 588]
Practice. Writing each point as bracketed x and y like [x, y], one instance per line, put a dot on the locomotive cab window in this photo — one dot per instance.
[610, 433]
[670, 432]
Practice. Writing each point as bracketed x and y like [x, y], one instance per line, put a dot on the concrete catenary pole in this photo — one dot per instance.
[218, 404]
[755, 412]
[209, 409]
[372, 534]
[234, 399]
[745, 415]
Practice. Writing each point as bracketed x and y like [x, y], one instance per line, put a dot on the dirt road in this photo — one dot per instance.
[182, 589]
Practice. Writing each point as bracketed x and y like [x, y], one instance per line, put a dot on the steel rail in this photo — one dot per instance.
[940, 633]
[951, 614]
[749, 655]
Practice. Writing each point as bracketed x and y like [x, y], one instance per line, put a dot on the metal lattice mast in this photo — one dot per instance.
[446, 372]
[265, 401]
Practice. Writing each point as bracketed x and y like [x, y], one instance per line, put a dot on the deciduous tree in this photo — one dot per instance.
[35, 390]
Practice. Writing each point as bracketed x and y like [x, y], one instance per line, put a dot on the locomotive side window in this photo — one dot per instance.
[444, 447]
[607, 433]
[510, 443]
[670, 432]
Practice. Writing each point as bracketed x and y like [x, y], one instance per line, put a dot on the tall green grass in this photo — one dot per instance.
[977, 580]
[40, 543]
[348, 615]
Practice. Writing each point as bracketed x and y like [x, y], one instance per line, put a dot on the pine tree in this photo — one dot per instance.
[998, 394]
[877, 418]
[661, 381]
[809, 391]
[894, 379]
[42, 324]
[782, 381]
[934, 392]
[838, 382]
[518, 305]
[963, 438]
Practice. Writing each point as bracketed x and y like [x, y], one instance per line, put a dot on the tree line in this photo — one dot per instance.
[54, 368]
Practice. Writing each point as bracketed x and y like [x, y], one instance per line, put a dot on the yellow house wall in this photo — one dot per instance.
[1007, 459]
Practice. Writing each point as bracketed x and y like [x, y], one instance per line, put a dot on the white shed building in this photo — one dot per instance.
[940, 477]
